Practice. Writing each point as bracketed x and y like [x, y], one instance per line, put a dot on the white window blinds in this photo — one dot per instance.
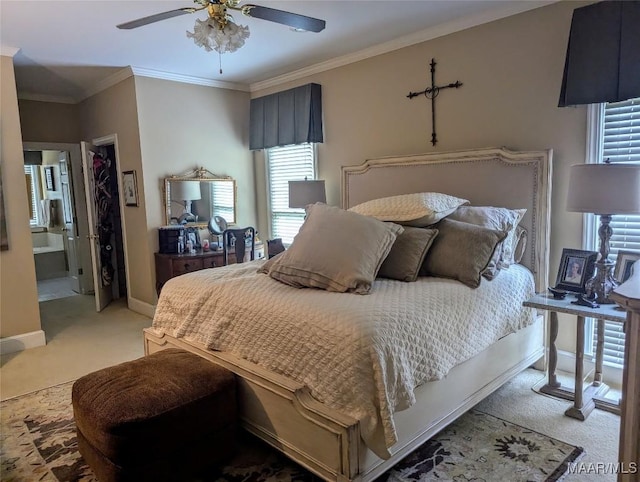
[284, 164]
[621, 144]
[222, 196]
[31, 174]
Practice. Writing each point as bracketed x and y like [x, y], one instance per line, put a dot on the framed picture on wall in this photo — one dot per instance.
[624, 262]
[576, 267]
[130, 188]
[48, 178]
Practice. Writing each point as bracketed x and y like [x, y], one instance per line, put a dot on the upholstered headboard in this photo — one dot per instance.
[486, 177]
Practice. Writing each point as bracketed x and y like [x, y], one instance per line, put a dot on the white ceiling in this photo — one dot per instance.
[71, 49]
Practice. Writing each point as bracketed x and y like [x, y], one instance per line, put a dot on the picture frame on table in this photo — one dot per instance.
[624, 262]
[576, 268]
[130, 188]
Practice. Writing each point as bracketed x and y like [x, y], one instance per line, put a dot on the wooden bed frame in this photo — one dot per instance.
[282, 412]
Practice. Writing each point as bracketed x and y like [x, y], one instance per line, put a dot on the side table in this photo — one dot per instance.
[583, 398]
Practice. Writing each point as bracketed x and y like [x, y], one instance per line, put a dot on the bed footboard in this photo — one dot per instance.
[283, 413]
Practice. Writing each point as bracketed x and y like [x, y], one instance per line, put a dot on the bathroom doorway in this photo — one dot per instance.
[59, 225]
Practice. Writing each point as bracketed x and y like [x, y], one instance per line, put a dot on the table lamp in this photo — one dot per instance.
[604, 189]
[186, 191]
[302, 193]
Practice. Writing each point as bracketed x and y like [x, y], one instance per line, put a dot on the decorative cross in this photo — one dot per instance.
[431, 93]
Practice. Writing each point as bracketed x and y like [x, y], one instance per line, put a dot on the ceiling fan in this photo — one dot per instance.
[217, 10]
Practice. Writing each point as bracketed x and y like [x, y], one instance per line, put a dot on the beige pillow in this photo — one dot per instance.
[501, 219]
[419, 209]
[461, 251]
[335, 250]
[407, 254]
[520, 244]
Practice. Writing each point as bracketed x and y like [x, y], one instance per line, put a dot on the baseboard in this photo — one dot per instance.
[141, 307]
[13, 344]
[612, 376]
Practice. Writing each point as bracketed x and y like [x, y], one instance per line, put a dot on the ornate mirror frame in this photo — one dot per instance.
[203, 208]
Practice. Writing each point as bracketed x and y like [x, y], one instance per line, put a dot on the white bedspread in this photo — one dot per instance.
[360, 354]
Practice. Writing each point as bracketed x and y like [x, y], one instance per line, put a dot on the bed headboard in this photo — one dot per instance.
[486, 177]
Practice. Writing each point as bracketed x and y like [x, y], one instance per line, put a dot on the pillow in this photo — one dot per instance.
[520, 244]
[335, 250]
[461, 251]
[501, 219]
[407, 254]
[419, 209]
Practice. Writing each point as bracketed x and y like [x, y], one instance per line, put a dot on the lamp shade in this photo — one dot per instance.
[603, 54]
[185, 190]
[305, 192]
[604, 189]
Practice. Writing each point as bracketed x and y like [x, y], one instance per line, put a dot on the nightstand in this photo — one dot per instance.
[584, 398]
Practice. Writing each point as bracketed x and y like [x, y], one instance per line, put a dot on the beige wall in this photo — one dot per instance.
[511, 71]
[18, 295]
[184, 126]
[49, 122]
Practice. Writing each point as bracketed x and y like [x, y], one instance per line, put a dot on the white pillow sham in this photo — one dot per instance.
[418, 209]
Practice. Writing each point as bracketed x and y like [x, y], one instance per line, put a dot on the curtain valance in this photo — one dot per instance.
[292, 116]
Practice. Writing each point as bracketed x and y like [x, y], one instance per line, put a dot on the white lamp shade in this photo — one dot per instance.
[604, 189]
[185, 190]
[302, 193]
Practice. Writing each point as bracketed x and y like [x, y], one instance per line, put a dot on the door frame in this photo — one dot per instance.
[112, 139]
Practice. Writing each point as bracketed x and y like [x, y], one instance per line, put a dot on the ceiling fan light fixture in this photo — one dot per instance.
[224, 38]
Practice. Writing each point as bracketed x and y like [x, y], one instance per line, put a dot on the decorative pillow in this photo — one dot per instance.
[520, 244]
[335, 250]
[419, 209]
[501, 219]
[407, 254]
[461, 251]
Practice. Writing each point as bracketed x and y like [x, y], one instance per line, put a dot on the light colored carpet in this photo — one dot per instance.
[81, 341]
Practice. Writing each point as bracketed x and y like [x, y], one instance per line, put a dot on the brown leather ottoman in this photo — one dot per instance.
[166, 416]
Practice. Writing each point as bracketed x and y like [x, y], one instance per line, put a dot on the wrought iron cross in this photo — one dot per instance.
[431, 93]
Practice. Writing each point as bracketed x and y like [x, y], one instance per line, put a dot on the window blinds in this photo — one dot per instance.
[288, 163]
[621, 144]
[30, 172]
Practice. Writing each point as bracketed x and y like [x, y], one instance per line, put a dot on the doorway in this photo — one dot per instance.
[60, 228]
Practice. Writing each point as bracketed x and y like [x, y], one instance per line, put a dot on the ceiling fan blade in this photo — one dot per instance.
[285, 18]
[156, 18]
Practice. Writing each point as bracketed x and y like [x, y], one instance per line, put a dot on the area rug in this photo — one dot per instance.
[38, 443]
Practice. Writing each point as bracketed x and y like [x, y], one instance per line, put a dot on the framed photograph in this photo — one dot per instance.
[48, 178]
[624, 263]
[576, 267]
[130, 188]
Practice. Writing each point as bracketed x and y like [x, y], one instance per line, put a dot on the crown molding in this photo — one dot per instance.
[47, 98]
[110, 81]
[157, 74]
[6, 51]
[405, 41]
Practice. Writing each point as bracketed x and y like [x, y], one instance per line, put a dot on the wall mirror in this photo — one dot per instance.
[195, 197]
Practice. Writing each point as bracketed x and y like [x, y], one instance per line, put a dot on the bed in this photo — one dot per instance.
[328, 438]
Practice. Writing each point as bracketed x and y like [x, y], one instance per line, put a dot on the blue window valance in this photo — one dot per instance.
[292, 116]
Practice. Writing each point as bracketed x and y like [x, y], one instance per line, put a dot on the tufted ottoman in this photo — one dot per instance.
[166, 416]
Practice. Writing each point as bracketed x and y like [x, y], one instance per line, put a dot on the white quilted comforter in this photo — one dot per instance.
[361, 355]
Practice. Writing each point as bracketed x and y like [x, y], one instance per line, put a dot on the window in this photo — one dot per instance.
[284, 164]
[32, 175]
[617, 138]
[223, 200]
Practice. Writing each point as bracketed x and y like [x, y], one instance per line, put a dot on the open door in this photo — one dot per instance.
[70, 230]
[98, 195]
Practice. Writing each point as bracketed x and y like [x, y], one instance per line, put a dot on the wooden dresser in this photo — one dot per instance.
[171, 265]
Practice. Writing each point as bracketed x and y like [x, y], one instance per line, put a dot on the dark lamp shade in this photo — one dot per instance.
[603, 54]
[302, 193]
[604, 189]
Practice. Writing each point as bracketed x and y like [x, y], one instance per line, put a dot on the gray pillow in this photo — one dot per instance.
[501, 219]
[335, 250]
[461, 251]
[407, 254]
